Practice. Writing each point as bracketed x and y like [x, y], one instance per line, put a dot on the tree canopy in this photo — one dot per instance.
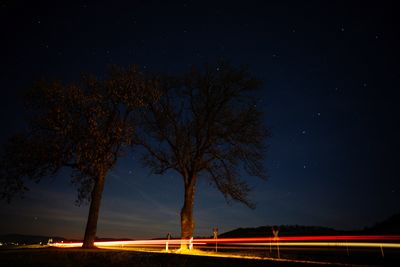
[206, 124]
[84, 126]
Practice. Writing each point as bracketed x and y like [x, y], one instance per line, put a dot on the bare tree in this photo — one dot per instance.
[206, 124]
[85, 127]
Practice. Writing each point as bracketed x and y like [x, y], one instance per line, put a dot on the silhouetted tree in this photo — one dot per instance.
[84, 126]
[206, 124]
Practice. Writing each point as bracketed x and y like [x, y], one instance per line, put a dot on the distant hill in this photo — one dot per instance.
[389, 226]
[284, 230]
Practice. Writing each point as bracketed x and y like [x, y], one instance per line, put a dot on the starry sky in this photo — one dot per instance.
[330, 72]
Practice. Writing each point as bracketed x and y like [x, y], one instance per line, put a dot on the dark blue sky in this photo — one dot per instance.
[331, 78]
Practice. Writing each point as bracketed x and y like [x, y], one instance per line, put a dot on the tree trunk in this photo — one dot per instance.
[187, 222]
[91, 225]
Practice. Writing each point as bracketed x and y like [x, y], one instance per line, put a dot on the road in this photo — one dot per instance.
[371, 250]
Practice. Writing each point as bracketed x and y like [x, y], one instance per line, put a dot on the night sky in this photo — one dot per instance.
[331, 77]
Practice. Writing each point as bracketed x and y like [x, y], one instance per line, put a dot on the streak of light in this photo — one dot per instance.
[305, 238]
[371, 241]
[133, 243]
[327, 244]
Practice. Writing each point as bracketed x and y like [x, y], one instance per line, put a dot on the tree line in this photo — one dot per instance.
[203, 124]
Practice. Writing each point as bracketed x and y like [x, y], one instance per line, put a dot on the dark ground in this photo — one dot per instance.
[77, 257]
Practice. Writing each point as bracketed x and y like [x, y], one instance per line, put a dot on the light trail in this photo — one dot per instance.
[374, 241]
[322, 248]
[158, 242]
[327, 244]
[305, 238]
